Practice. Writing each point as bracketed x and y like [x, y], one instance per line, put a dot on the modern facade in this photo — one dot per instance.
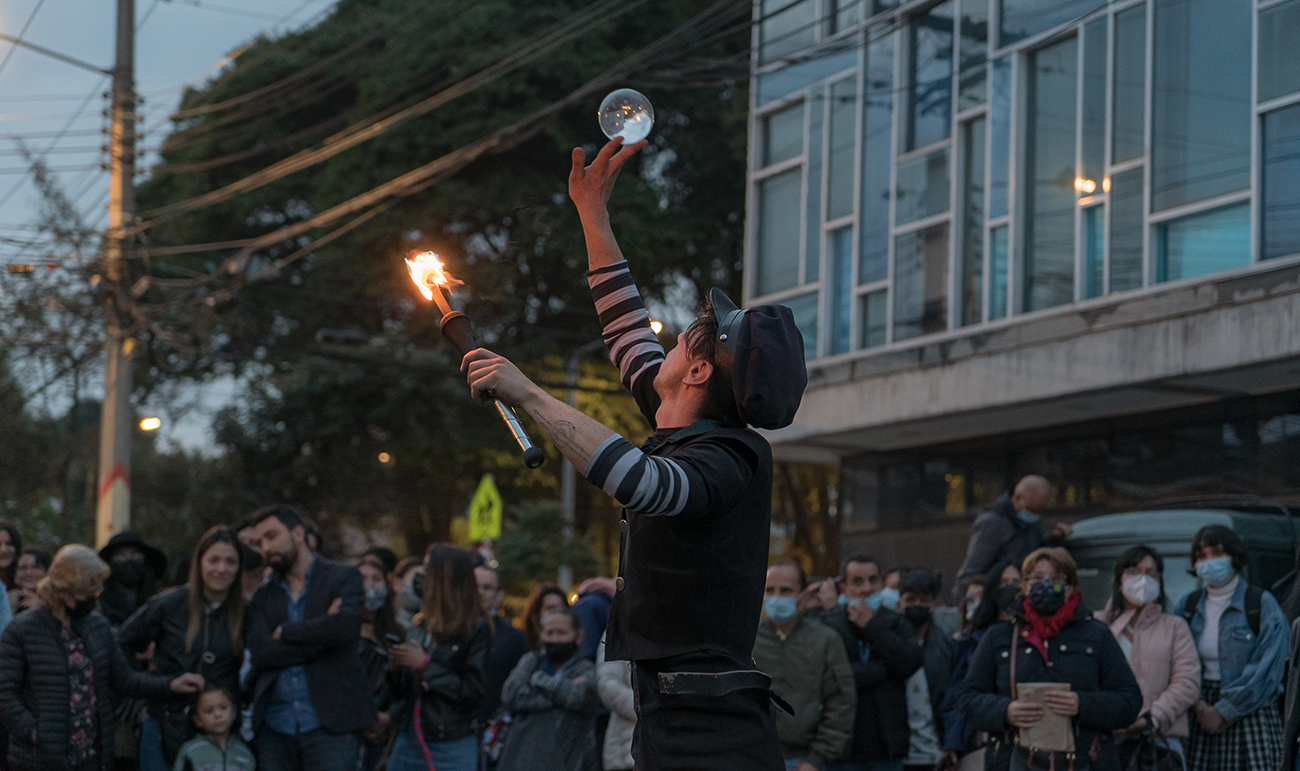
[1053, 236]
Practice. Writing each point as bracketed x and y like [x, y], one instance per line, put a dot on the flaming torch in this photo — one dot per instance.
[432, 281]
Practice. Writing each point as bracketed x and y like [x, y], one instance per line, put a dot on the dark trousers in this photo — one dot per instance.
[693, 732]
[317, 750]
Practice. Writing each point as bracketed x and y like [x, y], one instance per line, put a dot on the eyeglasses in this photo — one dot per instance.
[1058, 580]
[1136, 571]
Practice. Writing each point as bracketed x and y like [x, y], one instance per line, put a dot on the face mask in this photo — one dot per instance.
[128, 574]
[889, 598]
[558, 653]
[844, 599]
[82, 609]
[1028, 517]
[1005, 598]
[1215, 572]
[779, 609]
[376, 596]
[970, 610]
[1140, 589]
[1046, 598]
[917, 615]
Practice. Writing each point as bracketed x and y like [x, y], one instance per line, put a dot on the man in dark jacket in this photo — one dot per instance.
[697, 496]
[311, 698]
[883, 654]
[1010, 529]
[928, 686]
[508, 644]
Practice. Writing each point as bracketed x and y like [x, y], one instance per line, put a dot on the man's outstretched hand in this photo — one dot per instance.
[590, 186]
[492, 376]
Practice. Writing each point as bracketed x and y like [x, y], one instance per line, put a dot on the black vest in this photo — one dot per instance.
[695, 583]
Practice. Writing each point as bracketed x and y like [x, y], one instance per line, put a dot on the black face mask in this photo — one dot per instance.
[1047, 598]
[82, 609]
[1004, 598]
[558, 653]
[128, 574]
[917, 615]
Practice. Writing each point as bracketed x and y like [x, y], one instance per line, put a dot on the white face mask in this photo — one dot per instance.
[1140, 589]
[970, 610]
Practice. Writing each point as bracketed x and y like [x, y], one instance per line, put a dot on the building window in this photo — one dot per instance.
[843, 125]
[1050, 176]
[998, 253]
[922, 187]
[778, 232]
[874, 314]
[921, 282]
[1094, 251]
[783, 135]
[930, 77]
[1093, 119]
[972, 224]
[1279, 41]
[813, 204]
[1025, 18]
[1126, 230]
[877, 123]
[974, 47]
[804, 310]
[792, 29]
[1204, 243]
[1128, 137]
[1280, 183]
[1201, 111]
[1000, 138]
[841, 291]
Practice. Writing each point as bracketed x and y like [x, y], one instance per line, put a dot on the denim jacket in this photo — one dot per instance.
[1250, 667]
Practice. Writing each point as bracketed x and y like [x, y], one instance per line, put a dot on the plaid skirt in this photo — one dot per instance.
[1253, 743]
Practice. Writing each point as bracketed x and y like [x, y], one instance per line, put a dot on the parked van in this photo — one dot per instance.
[1270, 532]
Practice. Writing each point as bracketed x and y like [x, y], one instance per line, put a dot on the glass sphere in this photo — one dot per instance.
[628, 114]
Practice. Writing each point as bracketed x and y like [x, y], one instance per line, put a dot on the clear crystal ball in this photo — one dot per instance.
[628, 114]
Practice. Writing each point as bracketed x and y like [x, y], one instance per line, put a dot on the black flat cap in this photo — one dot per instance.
[761, 349]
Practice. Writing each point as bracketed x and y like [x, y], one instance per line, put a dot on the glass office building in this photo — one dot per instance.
[1052, 236]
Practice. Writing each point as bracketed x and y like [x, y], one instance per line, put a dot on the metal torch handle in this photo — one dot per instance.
[533, 456]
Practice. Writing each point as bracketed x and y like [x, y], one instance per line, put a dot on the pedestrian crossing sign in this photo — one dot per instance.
[485, 511]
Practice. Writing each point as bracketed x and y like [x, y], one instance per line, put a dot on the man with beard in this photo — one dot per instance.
[311, 699]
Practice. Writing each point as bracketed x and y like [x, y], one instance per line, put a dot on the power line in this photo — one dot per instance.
[26, 25]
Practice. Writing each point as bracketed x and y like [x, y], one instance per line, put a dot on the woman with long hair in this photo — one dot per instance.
[546, 598]
[62, 672]
[379, 628]
[33, 565]
[11, 545]
[438, 674]
[1053, 638]
[1242, 638]
[195, 627]
[1159, 649]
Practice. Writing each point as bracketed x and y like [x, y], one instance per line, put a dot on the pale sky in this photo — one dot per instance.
[179, 42]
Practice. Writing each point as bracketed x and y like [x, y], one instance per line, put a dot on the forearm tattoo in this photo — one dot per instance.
[564, 433]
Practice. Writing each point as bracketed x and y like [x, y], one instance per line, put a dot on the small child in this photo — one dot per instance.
[215, 748]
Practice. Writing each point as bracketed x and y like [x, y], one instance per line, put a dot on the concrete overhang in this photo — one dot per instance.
[1174, 345]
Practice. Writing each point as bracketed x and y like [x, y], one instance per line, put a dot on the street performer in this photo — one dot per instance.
[696, 496]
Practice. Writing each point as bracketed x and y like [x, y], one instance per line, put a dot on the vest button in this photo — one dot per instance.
[622, 525]
[618, 583]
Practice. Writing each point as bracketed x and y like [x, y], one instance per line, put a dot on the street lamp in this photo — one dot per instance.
[150, 424]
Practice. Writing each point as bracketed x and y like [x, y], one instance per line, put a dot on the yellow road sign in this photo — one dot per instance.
[485, 511]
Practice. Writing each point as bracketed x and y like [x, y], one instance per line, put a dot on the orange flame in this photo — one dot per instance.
[427, 272]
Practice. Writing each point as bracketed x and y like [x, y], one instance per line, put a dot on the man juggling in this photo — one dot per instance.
[696, 495]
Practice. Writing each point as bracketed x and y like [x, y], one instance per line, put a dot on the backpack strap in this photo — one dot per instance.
[1193, 603]
[1254, 605]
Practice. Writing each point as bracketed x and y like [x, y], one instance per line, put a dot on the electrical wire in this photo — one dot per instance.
[26, 25]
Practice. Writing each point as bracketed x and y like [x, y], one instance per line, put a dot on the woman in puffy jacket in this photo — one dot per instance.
[440, 670]
[1159, 649]
[61, 672]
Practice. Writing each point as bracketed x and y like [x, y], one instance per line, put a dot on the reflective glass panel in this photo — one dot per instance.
[1094, 251]
[921, 282]
[972, 224]
[816, 184]
[1126, 230]
[789, 30]
[1201, 108]
[875, 314]
[822, 64]
[783, 135]
[1000, 137]
[1281, 183]
[844, 129]
[930, 75]
[847, 13]
[998, 272]
[1279, 46]
[841, 288]
[804, 310]
[1050, 176]
[778, 232]
[877, 122]
[1093, 134]
[1128, 140]
[974, 48]
[922, 187]
[1026, 18]
[1204, 243]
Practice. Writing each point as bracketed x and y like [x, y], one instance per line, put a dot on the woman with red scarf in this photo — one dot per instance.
[1054, 639]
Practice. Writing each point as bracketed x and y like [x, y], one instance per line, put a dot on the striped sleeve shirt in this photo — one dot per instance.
[704, 475]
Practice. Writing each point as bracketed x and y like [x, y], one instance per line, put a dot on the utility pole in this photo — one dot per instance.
[113, 512]
[565, 577]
